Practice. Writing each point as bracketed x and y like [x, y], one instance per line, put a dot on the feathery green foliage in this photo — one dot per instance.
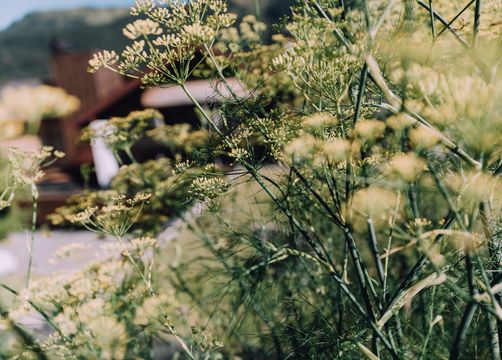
[361, 214]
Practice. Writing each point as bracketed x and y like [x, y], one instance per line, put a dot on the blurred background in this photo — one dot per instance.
[47, 97]
[31, 30]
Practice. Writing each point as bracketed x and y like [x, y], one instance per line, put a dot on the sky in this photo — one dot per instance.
[15, 10]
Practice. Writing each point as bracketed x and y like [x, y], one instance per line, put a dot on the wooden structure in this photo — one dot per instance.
[103, 95]
[69, 71]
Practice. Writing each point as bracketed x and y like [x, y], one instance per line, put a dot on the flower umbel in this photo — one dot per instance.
[113, 219]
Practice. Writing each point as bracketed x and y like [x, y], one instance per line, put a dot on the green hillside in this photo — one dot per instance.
[25, 45]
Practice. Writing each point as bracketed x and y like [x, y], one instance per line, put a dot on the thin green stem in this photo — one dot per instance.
[449, 24]
[362, 85]
[34, 306]
[430, 324]
[34, 211]
[26, 338]
[373, 244]
[492, 320]
[419, 265]
[367, 17]
[477, 21]
[389, 245]
[433, 25]
[485, 71]
[369, 316]
[129, 153]
[153, 294]
[463, 327]
[257, 8]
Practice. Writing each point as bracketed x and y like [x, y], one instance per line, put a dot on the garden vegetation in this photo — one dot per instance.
[349, 202]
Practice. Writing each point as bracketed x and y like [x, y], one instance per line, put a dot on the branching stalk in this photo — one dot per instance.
[374, 250]
[31, 244]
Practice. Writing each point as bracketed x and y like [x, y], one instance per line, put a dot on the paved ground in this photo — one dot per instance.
[14, 252]
[14, 261]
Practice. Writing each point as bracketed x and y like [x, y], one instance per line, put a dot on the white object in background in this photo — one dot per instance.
[202, 90]
[105, 163]
[8, 263]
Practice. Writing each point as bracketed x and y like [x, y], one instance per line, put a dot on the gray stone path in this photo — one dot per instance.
[14, 252]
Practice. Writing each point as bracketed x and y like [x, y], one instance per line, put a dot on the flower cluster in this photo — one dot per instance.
[26, 167]
[104, 310]
[121, 133]
[180, 138]
[112, 219]
[9, 128]
[310, 61]
[208, 188]
[446, 101]
[104, 59]
[166, 40]
[368, 195]
[142, 28]
[167, 184]
[33, 104]
[475, 188]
